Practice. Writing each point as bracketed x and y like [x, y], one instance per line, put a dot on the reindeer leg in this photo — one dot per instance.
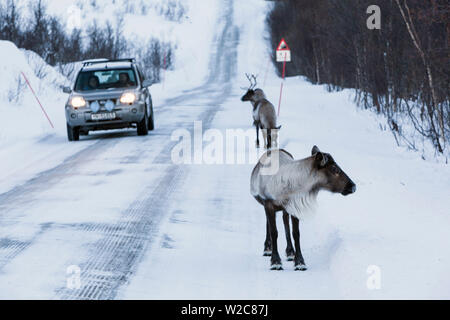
[264, 131]
[290, 253]
[274, 138]
[299, 262]
[257, 134]
[268, 242]
[269, 138]
[275, 261]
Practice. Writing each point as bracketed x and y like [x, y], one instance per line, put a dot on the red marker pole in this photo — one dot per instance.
[37, 99]
[282, 81]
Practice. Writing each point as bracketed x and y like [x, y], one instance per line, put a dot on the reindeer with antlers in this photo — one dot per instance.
[264, 116]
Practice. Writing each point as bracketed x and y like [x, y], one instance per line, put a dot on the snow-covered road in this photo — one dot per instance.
[100, 208]
[139, 226]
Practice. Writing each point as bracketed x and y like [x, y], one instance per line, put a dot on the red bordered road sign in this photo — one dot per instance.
[283, 52]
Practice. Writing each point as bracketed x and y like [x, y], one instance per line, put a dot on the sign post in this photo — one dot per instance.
[283, 55]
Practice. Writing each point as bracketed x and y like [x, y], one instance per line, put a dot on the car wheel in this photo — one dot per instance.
[73, 133]
[142, 126]
[151, 120]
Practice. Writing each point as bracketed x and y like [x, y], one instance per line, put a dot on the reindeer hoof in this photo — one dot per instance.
[267, 253]
[300, 267]
[290, 254]
[276, 266]
[257, 145]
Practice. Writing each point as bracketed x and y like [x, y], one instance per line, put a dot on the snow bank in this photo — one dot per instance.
[22, 117]
[28, 143]
[12, 63]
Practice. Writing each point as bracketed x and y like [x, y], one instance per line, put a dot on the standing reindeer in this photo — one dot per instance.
[264, 116]
[292, 188]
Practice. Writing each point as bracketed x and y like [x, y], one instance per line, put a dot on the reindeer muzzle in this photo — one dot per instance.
[349, 188]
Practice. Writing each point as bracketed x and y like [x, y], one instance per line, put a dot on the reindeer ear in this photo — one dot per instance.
[321, 159]
[314, 150]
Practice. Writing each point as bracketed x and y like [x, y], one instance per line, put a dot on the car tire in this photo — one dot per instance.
[151, 120]
[73, 133]
[142, 126]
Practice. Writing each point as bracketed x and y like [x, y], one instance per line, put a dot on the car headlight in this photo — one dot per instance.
[128, 98]
[78, 102]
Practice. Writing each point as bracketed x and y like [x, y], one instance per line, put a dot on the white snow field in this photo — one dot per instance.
[138, 226]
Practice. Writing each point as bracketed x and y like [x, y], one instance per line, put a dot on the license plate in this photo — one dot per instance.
[103, 116]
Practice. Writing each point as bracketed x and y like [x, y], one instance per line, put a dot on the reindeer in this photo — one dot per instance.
[264, 116]
[292, 188]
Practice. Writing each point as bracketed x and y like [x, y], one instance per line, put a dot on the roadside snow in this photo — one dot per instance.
[28, 143]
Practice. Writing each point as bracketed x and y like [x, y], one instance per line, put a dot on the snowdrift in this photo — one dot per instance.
[22, 117]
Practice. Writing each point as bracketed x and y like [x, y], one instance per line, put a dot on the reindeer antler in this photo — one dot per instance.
[252, 79]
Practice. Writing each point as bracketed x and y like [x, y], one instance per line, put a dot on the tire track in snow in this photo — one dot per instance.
[223, 66]
[10, 248]
[114, 258]
[24, 193]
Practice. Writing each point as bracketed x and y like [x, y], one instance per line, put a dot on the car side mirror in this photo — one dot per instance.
[67, 90]
[147, 83]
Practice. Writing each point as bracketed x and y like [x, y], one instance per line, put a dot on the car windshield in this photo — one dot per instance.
[105, 79]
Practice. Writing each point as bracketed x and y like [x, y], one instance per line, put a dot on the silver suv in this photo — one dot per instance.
[109, 94]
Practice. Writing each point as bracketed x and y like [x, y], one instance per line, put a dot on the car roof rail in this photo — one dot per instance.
[132, 60]
[93, 61]
[103, 60]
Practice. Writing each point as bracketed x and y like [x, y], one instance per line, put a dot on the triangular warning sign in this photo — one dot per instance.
[283, 45]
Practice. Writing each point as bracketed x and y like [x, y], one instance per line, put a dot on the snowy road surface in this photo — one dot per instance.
[115, 207]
